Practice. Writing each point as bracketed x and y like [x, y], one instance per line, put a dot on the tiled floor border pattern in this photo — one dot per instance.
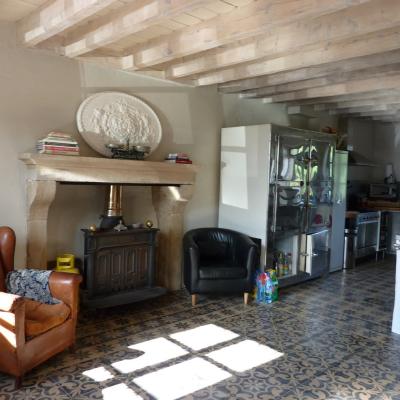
[334, 334]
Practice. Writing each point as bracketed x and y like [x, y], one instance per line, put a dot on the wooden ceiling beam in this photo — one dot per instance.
[358, 103]
[55, 17]
[345, 97]
[387, 119]
[243, 23]
[380, 113]
[363, 19]
[364, 109]
[141, 15]
[370, 44]
[376, 72]
[312, 72]
[351, 87]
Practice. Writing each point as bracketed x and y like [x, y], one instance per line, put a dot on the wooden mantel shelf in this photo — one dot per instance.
[106, 170]
[172, 187]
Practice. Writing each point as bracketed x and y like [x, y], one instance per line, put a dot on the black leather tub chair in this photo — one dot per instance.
[218, 260]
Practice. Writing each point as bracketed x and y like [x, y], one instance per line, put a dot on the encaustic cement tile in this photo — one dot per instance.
[334, 334]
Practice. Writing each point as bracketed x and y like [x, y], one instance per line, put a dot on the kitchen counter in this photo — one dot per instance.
[352, 214]
[383, 205]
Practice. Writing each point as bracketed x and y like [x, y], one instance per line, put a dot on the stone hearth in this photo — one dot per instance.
[172, 188]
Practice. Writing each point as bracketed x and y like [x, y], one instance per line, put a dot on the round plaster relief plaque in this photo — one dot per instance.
[117, 118]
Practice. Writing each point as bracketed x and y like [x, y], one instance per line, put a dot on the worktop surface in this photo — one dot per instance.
[383, 205]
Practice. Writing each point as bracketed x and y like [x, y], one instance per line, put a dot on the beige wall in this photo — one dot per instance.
[41, 92]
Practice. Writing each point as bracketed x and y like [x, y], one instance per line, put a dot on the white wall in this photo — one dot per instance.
[386, 149]
[41, 92]
[241, 111]
[378, 142]
[361, 134]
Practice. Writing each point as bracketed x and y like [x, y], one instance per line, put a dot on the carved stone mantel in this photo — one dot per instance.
[172, 188]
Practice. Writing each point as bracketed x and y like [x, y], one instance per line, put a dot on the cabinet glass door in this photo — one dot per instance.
[293, 156]
[315, 252]
[319, 206]
[290, 201]
[320, 187]
[287, 223]
[321, 161]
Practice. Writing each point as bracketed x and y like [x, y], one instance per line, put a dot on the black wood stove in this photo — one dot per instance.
[119, 266]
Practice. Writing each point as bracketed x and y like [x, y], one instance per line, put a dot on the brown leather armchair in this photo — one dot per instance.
[19, 352]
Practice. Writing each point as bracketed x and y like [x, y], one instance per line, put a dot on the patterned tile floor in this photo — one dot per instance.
[334, 334]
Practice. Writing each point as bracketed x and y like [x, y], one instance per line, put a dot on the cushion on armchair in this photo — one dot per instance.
[32, 284]
[212, 252]
[222, 272]
[40, 318]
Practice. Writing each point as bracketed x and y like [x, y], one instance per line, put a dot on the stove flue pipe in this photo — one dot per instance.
[113, 207]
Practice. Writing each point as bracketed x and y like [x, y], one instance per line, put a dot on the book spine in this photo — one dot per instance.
[59, 134]
[58, 141]
[178, 155]
[183, 162]
[60, 148]
[172, 161]
[61, 153]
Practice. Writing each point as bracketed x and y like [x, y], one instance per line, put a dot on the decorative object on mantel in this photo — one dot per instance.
[128, 152]
[178, 158]
[149, 223]
[120, 226]
[111, 119]
[58, 143]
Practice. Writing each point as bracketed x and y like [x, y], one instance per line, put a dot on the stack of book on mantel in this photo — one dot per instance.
[58, 143]
[178, 158]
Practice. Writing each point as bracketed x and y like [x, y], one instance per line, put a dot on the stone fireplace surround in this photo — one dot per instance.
[172, 187]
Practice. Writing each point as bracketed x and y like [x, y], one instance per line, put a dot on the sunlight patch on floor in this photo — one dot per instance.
[204, 336]
[120, 392]
[99, 374]
[245, 355]
[179, 380]
[155, 351]
[184, 377]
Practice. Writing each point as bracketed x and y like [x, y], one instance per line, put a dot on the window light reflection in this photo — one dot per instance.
[245, 355]
[204, 336]
[184, 377]
[99, 374]
[179, 380]
[155, 351]
[120, 392]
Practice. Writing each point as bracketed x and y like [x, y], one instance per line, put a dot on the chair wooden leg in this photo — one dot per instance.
[18, 382]
[194, 299]
[246, 298]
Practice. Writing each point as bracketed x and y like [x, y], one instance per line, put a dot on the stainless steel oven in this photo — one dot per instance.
[367, 225]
